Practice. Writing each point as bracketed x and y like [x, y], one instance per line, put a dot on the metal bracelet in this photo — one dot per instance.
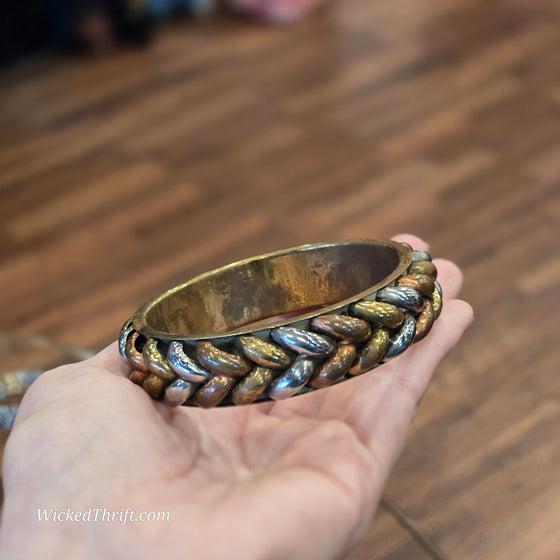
[289, 322]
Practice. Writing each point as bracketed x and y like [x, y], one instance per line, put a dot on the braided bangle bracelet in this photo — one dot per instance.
[288, 322]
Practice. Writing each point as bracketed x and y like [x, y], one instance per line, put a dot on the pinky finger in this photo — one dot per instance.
[382, 410]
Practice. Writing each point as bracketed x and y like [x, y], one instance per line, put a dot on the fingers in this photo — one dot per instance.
[413, 370]
[110, 360]
[450, 278]
[383, 407]
[412, 240]
[449, 274]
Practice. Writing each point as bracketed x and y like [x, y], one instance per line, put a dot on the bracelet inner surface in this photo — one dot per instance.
[235, 298]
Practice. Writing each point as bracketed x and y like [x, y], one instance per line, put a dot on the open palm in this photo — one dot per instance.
[293, 479]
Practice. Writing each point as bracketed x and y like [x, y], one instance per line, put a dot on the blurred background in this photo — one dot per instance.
[138, 149]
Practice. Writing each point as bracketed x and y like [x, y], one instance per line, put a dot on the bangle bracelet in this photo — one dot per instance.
[280, 324]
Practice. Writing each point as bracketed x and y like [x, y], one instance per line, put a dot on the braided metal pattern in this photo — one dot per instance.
[280, 362]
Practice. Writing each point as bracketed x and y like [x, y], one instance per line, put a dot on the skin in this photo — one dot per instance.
[297, 479]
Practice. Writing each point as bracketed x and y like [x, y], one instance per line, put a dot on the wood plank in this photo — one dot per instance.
[123, 176]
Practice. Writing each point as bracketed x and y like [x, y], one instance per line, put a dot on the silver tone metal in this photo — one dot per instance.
[402, 297]
[304, 342]
[229, 346]
[126, 331]
[178, 392]
[403, 339]
[184, 366]
[293, 380]
[419, 255]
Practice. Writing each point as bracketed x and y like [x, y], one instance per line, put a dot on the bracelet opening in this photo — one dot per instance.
[239, 297]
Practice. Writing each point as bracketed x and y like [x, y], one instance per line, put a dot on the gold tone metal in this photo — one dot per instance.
[154, 386]
[133, 355]
[423, 267]
[155, 361]
[253, 385]
[264, 353]
[424, 321]
[372, 352]
[267, 327]
[220, 362]
[224, 302]
[342, 327]
[138, 377]
[437, 302]
[214, 391]
[422, 283]
[379, 313]
[335, 367]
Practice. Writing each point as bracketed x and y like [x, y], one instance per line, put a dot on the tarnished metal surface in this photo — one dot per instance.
[378, 313]
[126, 331]
[423, 267]
[220, 362]
[138, 377]
[155, 361]
[335, 367]
[437, 300]
[247, 350]
[424, 321]
[253, 385]
[342, 327]
[133, 355]
[372, 352]
[214, 391]
[422, 283]
[264, 353]
[154, 386]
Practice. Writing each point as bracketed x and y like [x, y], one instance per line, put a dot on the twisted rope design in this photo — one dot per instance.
[291, 360]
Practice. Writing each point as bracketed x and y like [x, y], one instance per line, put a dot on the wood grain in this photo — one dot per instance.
[121, 177]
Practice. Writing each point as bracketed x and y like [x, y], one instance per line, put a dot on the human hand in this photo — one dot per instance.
[297, 479]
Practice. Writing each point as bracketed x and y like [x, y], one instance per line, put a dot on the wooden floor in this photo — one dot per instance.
[121, 177]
